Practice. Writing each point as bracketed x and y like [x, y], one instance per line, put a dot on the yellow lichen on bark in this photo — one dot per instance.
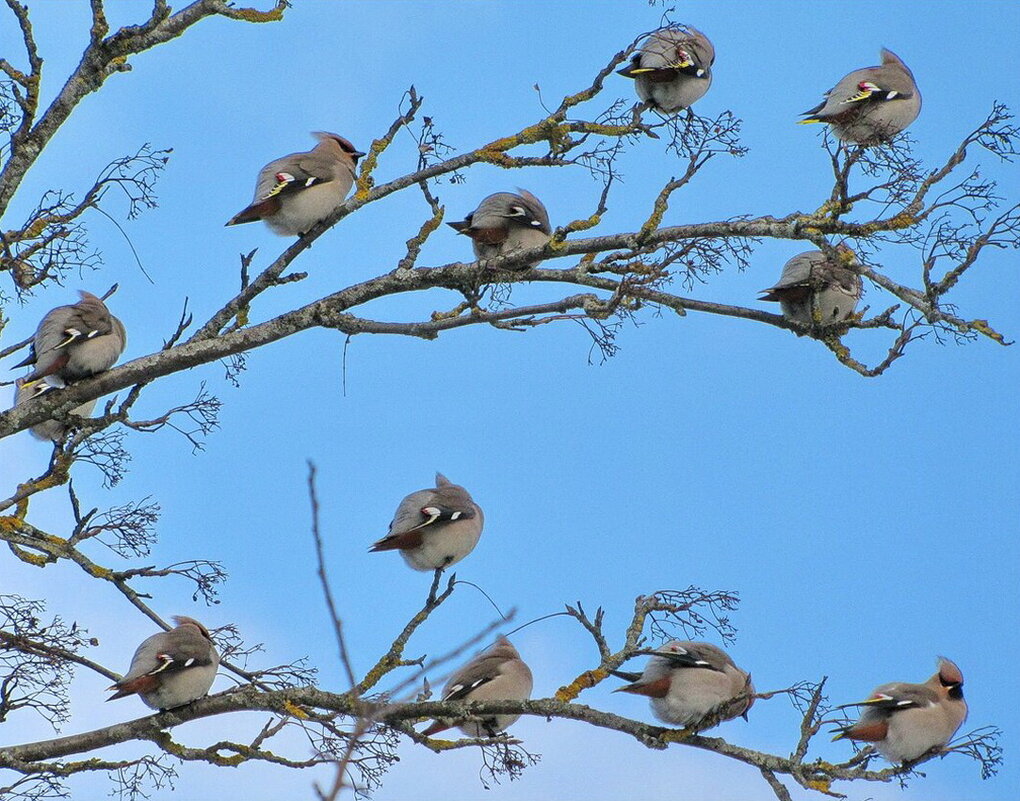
[676, 735]
[254, 15]
[34, 559]
[456, 311]
[294, 710]
[585, 681]
[36, 228]
[982, 327]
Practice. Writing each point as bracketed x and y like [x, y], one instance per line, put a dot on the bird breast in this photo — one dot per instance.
[445, 543]
[302, 209]
[914, 732]
[181, 687]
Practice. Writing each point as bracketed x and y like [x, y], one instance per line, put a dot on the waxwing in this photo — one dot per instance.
[871, 105]
[906, 721]
[505, 222]
[75, 342]
[434, 528]
[497, 674]
[811, 284]
[689, 681]
[52, 430]
[295, 192]
[171, 668]
[672, 68]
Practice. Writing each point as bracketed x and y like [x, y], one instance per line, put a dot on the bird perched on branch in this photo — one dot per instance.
[497, 674]
[687, 682]
[672, 68]
[906, 721]
[434, 528]
[506, 222]
[171, 668]
[870, 105]
[295, 192]
[815, 288]
[52, 430]
[75, 342]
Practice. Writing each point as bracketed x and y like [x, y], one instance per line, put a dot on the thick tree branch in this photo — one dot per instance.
[28, 758]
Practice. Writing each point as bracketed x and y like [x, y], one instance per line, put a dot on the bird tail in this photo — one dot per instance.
[142, 684]
[30, 359]
[266, 207]
[633, 72]
[436, 727]
[248, 215]
[408, 539]
[866, 731]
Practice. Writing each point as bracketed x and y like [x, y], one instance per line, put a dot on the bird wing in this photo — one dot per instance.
[293, 173]
[870, 85]
[472, 676]
[418, 511]
[687, 659]
[58, 329]
[162, 654]
[890, 698]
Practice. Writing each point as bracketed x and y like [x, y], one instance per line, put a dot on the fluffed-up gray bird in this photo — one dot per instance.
[814, 284]
[52, 430]
[171, 668]
[906, 721]
[506, 222]
[75, 342]
[434, 528]
[870, 105]
[295, 192]
[497, 674]
[687, 682]
[672, 68]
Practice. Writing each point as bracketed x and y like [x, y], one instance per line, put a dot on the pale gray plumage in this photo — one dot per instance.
[687, 682]
[672, 68]
[171, 668]
[434, 528]
[906, 721]
[813, 284]
[506, 222]
[497, 674]
[295, 192]
[870, 105]
[52, 430]
[77, 341]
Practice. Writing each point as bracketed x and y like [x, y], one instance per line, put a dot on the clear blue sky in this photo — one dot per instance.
[868, 525]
